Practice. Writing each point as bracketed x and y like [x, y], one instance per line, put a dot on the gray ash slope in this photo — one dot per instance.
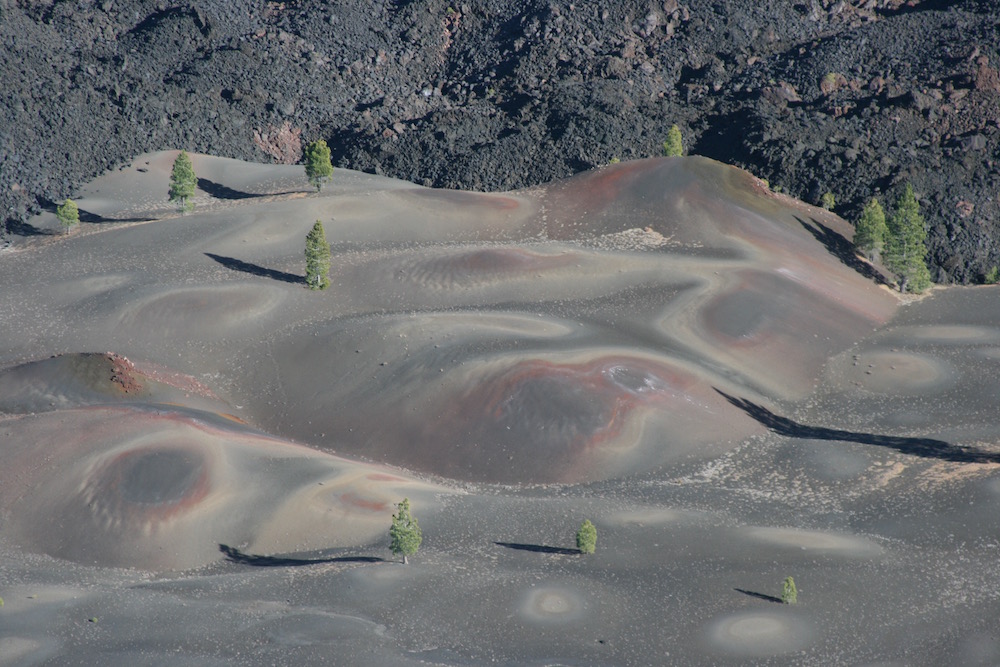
[852, 96]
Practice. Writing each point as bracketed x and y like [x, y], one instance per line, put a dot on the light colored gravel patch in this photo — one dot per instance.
[759, 634]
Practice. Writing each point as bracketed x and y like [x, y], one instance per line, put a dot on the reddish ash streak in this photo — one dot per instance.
[354, 500]
[177, 380]
[600, 188]
[380, 477]
[588, 194]
[106, 488]
[123, 374]
[596, 399]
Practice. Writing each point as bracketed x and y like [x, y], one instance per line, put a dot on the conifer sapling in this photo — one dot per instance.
[586, 537]
[68, 214]
[905, 249]
[789, 594]
[317, 258]
[182, 182]
[674, 145]
[318, 166]
[871, 230]
[404, 533]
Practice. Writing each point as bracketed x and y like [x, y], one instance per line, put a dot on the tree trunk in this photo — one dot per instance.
[405, 562]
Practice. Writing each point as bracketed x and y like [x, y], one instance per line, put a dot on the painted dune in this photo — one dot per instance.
[701, 366]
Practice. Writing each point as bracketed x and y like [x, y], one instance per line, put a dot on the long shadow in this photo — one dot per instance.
[539, 548]
[220, 191]
[923, 447]
[87, 216]
[759, 596]
[234, 555]
[842, 249]
[254, 269]
[22, 228]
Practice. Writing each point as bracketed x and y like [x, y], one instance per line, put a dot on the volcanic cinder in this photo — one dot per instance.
[204, 456]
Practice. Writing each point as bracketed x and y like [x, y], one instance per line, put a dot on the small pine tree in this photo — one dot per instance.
[789, 593]
[317, 258]
[905, 249]
[992, 276]
[828, 201]
[68, 214]
[674, 145]
[404, 533]
[318, 166]
[182, 182]
[586, 537]
[871, 230]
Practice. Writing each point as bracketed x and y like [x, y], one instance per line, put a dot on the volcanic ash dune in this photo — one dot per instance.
[162, 489]
[608, 350]
[597, 327]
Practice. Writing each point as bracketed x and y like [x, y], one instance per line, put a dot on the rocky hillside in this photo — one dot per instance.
[853, 97]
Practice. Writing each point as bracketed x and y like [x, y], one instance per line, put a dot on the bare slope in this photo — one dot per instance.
[567, 333]
[685, 353]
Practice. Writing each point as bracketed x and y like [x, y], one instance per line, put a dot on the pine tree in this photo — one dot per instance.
[68, 214]
[789, 593]
[905, 249]
[871, 230]
[404, 534]
[182, 182]
[317, 258]
[586, 537]
[828, 201]
[318, 166]
[674, 145]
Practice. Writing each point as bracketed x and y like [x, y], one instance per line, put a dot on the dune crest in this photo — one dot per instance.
[531, 337]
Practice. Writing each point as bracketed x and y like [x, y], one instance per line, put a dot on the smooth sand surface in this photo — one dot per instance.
[201, 456]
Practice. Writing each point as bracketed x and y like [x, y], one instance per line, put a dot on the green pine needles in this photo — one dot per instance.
[68, 214]
[674, 145]
[317, 258]
[871, 230]
[404, 533]
[905, 250]
[789, 593]
[586, 537]
[899, 240]
[318, 166]
[182, 182]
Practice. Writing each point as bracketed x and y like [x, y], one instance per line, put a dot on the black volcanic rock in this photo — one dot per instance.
[853, 97]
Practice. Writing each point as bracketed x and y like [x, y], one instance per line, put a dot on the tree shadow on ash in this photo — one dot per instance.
[21, 228]
[538, 548]
[256, 270]
[220, 191]
[923, 447]
[842, 249]
[760, 596]
[234, 555]
[86, 216]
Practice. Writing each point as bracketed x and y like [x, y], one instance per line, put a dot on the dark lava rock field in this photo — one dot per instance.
[854, 97]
